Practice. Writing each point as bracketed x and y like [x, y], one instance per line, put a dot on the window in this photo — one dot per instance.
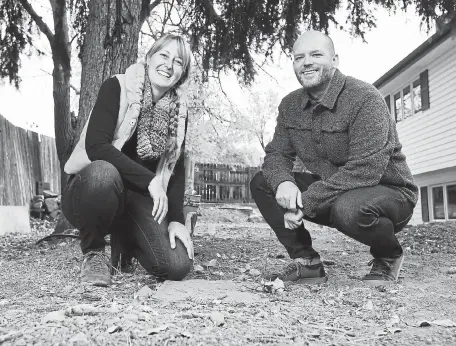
[442, 202]
[417, 95]
[398, 107]
[413, 98]
[451, 200]
[407, 105]
[438, 207]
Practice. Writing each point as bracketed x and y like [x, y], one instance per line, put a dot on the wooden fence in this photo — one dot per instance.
[25, 158]
[218, 183]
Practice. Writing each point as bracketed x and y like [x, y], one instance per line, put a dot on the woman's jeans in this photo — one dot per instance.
[96, 202]
[370, 215]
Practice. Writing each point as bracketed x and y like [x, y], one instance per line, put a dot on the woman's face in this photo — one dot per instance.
[166, 67]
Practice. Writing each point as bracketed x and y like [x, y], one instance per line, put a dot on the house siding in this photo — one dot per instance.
[429, 137]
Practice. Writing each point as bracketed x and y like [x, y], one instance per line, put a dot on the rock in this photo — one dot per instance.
[254, 272]
[198, 269]
[51, 205]
[444, 323]
[81, 310]
[369, 305]
[255, 218]
[112, 321]
[79, 338]
[174, 291]
[131, 317]
[329, 262]
[211, 263]
[54, 215]
[452, 270]
[217, 318]
[50, 194]
[144, 292]
[54, 316]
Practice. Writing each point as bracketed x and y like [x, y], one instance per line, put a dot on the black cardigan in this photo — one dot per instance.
[136, 173]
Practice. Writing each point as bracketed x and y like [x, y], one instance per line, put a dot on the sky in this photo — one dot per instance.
[394, 38]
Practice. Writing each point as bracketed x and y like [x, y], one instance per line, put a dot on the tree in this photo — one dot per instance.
[224, 34]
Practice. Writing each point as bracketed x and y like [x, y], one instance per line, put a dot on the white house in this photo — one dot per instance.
[421, 94]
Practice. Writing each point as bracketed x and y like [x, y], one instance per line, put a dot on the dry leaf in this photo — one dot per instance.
[157, 330]
[114, 329]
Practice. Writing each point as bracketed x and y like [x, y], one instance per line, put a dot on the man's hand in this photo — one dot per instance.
[178, 230]
[157, 193]
[289, 196]
[293, 219]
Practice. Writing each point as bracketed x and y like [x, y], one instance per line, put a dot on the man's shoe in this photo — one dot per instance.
[304, 270]
[96, 269]
[384, 270]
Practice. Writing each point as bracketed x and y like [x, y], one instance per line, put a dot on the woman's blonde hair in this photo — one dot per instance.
[184, 51]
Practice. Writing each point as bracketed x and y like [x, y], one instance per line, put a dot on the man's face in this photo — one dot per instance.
[313, 61]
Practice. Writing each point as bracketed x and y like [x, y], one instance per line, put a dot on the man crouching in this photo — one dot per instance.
[360, 184]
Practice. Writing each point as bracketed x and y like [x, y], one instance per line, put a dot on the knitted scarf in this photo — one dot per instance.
[157, 123]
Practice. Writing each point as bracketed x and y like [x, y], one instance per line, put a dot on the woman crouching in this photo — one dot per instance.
[127, 170]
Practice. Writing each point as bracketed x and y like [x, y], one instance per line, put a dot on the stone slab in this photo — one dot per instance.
[14, 219]
[228, 291]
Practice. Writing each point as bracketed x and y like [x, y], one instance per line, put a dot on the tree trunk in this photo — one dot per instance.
[103, 56]
[61, 75]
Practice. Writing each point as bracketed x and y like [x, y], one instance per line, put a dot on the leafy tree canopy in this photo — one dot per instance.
[223, 33]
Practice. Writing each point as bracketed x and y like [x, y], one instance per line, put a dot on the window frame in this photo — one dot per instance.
[410, 86]
[445, 202]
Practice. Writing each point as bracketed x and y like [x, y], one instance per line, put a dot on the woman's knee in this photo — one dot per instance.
[174, 264]
[101, 175]
[179, 264]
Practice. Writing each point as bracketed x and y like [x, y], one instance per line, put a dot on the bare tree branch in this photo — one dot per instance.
[147, 8]
[209, 6]
[44, 28]
[75, 89]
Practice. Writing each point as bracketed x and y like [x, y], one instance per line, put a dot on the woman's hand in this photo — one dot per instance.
[178, 230]
[157, 193]
[293, 219]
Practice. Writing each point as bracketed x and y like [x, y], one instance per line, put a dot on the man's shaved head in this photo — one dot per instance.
[315, 60]
[316, 36]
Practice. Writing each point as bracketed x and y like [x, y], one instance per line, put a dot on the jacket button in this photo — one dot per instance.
[132, 123]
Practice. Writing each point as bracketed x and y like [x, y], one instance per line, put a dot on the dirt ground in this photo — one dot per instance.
[222, 302]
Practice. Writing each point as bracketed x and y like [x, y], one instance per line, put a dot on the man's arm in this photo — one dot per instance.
[370, 147]
[279, 159]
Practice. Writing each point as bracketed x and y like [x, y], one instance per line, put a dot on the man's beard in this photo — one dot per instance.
[322, 76]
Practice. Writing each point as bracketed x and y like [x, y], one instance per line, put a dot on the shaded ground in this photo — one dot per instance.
[40, 294]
